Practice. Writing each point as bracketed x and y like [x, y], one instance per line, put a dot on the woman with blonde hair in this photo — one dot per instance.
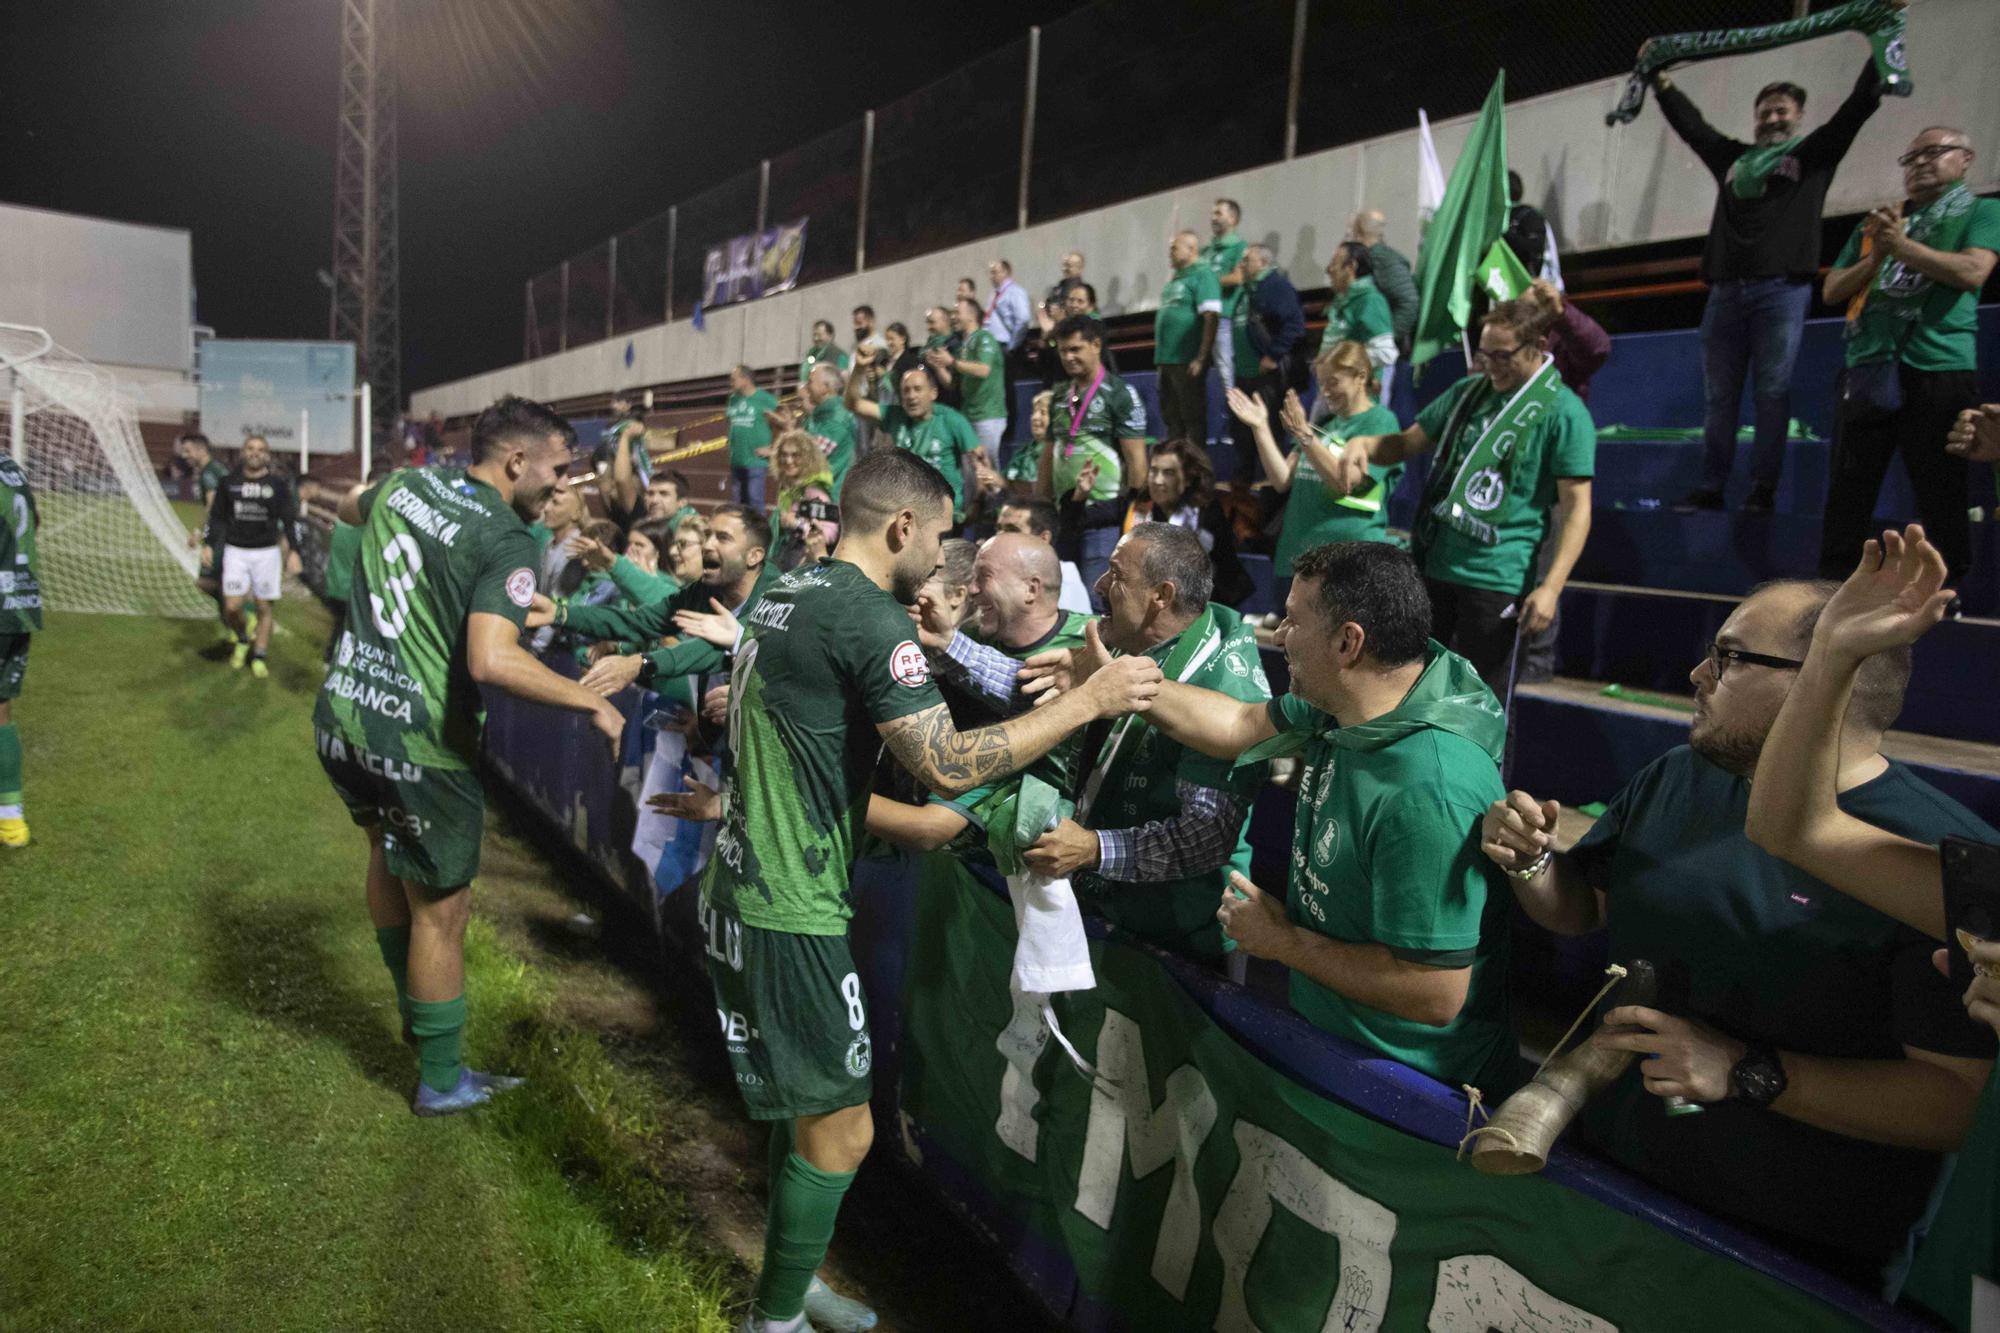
[1314, 513]
[805, 522]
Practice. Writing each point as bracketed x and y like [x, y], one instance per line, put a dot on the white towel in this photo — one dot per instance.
[1051, 953]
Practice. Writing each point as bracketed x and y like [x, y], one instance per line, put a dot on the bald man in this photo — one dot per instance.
[1910, 276]
[1015, 593]
[1184, 339]
[1392, 273]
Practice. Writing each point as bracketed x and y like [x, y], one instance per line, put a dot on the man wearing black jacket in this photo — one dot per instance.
[1270, 352]
[1762, 255]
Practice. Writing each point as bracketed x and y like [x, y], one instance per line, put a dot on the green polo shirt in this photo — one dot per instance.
[942, 439]
[1189, 293]
[1945, 333]
[1357, 315]
[1385, 850]
[1315, 516]
[1563, 443]
[982, 399]
[1221, 255]
[1768, 953]
[749, 431]
[818, 352]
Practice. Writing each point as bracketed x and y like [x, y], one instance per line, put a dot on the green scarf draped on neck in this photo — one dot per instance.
[1878, 20]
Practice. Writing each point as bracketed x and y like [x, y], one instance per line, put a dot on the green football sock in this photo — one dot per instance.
[440, 1029]
[797, 1229]
[10, 769]
[394, 942]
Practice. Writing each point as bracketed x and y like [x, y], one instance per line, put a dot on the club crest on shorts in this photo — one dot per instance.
[907, 665]
[521, 587]
[860, 1056]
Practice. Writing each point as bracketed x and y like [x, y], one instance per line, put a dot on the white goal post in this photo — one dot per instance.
[108, 540]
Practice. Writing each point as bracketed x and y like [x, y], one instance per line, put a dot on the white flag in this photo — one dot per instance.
[1430, 177]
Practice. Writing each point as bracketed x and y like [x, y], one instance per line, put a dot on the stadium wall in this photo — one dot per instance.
[1602, 188]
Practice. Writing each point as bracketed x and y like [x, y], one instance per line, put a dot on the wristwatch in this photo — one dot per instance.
[1759, 1077]
[649, 671]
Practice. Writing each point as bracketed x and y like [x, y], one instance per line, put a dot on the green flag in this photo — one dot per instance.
[1468, 222]
[1500, 275]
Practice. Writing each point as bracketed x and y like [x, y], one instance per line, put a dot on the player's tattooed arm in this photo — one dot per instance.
[951, 762]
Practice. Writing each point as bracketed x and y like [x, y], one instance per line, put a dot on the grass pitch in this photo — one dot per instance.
[203, 1100]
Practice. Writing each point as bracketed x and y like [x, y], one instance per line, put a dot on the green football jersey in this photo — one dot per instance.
[983, 399]
[942, 439]
[827, 656]
[436, 546]
[20, 583]
[208, 479]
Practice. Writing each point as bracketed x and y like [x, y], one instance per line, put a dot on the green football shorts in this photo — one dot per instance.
[431, 818]
[13, 664]
[793, 1017]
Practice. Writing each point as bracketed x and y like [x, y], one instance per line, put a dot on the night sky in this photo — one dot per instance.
[531, 129]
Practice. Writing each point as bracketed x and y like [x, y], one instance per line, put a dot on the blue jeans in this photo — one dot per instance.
[1752, 327]
[746, 485]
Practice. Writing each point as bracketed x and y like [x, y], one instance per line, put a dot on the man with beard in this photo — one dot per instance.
[826, 674]
[1392, 927]
[254, 519]
[733, 572]
[446, 574]
[1836, 1066]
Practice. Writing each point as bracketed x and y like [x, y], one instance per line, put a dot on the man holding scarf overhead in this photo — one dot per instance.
[1514, 445]
[1762, 252]
[1910, 277]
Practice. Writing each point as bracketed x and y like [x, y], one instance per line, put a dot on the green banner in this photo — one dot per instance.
[1207, 1190]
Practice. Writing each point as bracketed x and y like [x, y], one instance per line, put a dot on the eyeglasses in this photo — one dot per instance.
[1719, 657]
[1923, 157]
[1482, 357]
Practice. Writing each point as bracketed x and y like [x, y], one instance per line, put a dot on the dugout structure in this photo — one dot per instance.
[109, 542]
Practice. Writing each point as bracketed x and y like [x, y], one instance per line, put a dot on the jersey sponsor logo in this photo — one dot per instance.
[521, 587]
[370, 697]
[908, 666]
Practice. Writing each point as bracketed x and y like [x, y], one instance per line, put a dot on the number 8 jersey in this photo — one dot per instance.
[436, 545]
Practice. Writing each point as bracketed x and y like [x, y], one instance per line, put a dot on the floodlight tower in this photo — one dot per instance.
[366, 291]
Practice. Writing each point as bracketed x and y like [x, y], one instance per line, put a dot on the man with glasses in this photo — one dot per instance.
[1910, 277]
[1763, 249]
[1835, 1066]
[1514, 447]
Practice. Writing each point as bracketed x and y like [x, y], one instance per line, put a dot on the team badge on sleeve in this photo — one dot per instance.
[521, 587]
[907, 665]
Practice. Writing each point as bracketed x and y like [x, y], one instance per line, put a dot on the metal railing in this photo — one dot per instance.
[1119, 99]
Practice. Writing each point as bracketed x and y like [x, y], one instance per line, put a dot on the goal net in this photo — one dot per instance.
[108, 540]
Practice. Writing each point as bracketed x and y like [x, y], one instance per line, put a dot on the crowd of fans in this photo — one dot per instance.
[1838, 1068]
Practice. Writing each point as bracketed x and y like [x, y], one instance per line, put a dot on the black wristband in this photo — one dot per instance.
[649, 671]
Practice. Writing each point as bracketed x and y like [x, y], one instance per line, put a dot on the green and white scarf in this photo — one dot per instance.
[1479, 484]
[1887, 314]
[1878, 20]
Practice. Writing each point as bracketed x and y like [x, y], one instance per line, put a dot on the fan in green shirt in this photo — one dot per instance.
[749, 428]
[979, 369]
[1314, 512]
[830, 423]
[1391, 926]
[1222, 254]
[1190, 293]
[939, 435]
[1357, 311]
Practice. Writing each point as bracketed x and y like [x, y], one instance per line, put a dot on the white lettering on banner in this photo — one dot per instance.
[1480, 1293]
[1125, 1120]
[1022, 1042]
[1271, 1170]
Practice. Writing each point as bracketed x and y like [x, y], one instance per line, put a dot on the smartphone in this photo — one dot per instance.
[1971, 899]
